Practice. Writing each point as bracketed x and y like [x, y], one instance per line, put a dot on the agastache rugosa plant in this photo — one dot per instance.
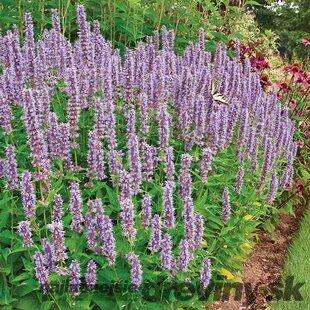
[144, 134]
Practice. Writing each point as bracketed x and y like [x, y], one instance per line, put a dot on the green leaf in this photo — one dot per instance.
[27, 287]
[251, 2]
[4, 215]
[27, 302]
[9, 20]
[47, 305]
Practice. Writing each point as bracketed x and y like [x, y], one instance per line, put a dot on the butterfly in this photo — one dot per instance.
[216, 95]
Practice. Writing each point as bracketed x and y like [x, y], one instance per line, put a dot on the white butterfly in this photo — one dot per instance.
[216, 95]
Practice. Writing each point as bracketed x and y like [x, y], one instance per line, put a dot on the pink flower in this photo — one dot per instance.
[306, 41]
[300, 144]
[264, 80]
[295, 69]
[299, 187]
[289, 187]
[260, 63]
[284, 87]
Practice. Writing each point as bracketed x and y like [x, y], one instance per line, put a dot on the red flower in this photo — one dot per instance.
[284, 87]
[295, 69]
[304, 79]
[299, 187]
[293, 105]
[288, 187]
[260, 63]
[306, 41]
[300, 144]
[264, 80]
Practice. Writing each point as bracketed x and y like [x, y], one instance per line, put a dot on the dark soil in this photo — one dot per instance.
[264, 266]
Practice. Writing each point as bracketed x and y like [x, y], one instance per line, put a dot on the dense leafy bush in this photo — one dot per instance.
[125, 23]
[290, 19]
[156, 169]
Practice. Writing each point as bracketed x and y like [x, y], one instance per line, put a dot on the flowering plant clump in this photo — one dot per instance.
[155, 168]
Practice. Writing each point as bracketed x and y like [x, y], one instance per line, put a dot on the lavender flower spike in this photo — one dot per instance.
[226, 206]
[11, 167]
[146, 211]
[105, 227]
[127, 219]
[273, 187]
[28, 195]
[48, 255]
[75, 207]
[155, 241]
[167, 260]
[58, 236]
[239, 179]
[184, 256]
[168, 208]
[205, 273]
[136, 270]
[75, 281]
[57, 209]
[91, 277]
[91, 232]
[25, 233]
[199, 225]
[41, 272]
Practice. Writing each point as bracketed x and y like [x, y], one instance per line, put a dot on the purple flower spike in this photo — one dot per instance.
[146, 211]
[41, 272]
[127, 219]
[205, 165]
[136, 270]
[91, 233]
[5, 114]
[75, 207]
[28, 195]
[105, 228]
[167, 260]
[199, 225]
[25, 233]
[2, 168]
[91, 277]
[188, 216]
[273, 188]
[205, 273]
[155, 241]
[169, 164]
[57, 209]
[185, 182]
[58, 237]
[226, 206]
[75, 281]
[134, 162]
[95, 157]
[168, 208]
[184, 257]
[11, 167]
[48, 255]
[239, 179]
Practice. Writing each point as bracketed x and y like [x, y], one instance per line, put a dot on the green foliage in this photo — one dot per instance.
[291, 21]
[297, 263]
[125, 23]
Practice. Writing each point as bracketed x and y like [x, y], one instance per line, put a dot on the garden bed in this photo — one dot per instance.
[264, 267]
